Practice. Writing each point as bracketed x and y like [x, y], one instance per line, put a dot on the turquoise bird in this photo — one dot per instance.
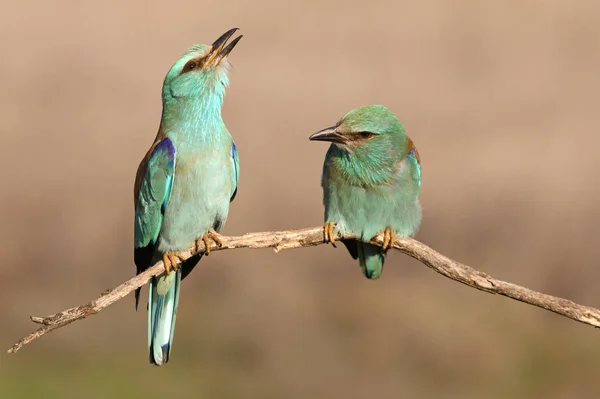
[185, 182]
[371, 181]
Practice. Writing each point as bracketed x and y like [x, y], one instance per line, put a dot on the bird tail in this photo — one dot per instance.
[162, 309]
[370, 258]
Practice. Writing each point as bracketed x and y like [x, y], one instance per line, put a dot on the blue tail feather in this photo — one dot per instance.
[370, 258]
[162, 312]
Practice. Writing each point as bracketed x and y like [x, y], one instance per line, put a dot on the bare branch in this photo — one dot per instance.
[279, 240]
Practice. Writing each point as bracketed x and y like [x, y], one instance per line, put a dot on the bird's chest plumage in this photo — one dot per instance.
[199, 197]
[368, 209]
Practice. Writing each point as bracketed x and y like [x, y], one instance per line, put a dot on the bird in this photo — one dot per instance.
[185, 182]
[371, 181]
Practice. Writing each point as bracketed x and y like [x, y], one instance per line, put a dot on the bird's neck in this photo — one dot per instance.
[365, 167]
[194, 120]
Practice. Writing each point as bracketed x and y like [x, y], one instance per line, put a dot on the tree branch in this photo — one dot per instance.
[279, 240]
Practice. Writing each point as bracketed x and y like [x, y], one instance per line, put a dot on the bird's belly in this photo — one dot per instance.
[367, 212]
[199, 201]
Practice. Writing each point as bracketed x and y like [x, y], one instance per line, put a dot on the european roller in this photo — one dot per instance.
[371, 181]
[185, 182]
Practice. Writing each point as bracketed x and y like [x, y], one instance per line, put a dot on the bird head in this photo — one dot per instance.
[202, 69]
[371, 126]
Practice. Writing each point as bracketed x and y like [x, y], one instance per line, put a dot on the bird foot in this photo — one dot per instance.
[328, 234]
[388, 239]
[172, 260]
[205, 239]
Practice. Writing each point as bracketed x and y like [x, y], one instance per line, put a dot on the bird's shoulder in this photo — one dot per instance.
[409, 156]
[143, 166]
[410, 164]
[411, 151]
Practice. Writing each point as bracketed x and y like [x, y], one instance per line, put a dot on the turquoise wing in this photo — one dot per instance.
[235, 171]
[153, 189]
[415, 162]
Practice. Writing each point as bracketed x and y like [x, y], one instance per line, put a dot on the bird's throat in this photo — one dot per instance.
[194, 119]
[365, 169]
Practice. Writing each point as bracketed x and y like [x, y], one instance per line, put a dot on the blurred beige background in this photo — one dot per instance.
[501, 99]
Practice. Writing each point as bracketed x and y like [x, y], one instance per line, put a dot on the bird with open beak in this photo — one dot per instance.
[185, 182]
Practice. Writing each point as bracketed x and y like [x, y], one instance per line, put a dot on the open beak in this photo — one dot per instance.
[218, 49]
[328, 134]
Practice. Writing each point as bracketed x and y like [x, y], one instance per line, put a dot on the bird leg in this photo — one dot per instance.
[388, 239]
[172, 260]
[328, 234]
[211, 235]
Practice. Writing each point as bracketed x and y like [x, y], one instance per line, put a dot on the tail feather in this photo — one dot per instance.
[370, 258]
[162, 311]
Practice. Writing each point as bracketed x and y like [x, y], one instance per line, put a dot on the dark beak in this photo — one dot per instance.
[328, 134]
[219, 50]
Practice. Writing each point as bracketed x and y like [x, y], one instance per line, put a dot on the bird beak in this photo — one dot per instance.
[328, 134]
[218, 49]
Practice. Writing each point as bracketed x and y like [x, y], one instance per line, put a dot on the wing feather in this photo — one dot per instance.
[235, 169]
[153, 184]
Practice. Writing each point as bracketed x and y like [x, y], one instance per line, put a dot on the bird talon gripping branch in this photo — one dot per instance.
[388, 239]
[328, 234]
[211, 235]
[172, 261]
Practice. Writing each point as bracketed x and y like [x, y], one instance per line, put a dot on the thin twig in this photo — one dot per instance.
[279, 240]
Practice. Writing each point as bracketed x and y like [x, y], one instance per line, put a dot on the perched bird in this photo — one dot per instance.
[185, 182]
[371, 181]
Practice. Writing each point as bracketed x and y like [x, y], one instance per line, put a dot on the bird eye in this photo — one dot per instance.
[190, 66]
[365, 135]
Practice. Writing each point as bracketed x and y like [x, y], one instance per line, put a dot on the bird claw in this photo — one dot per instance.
[205, 239]
[388, 239]
[328, 234]
[172, 260]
